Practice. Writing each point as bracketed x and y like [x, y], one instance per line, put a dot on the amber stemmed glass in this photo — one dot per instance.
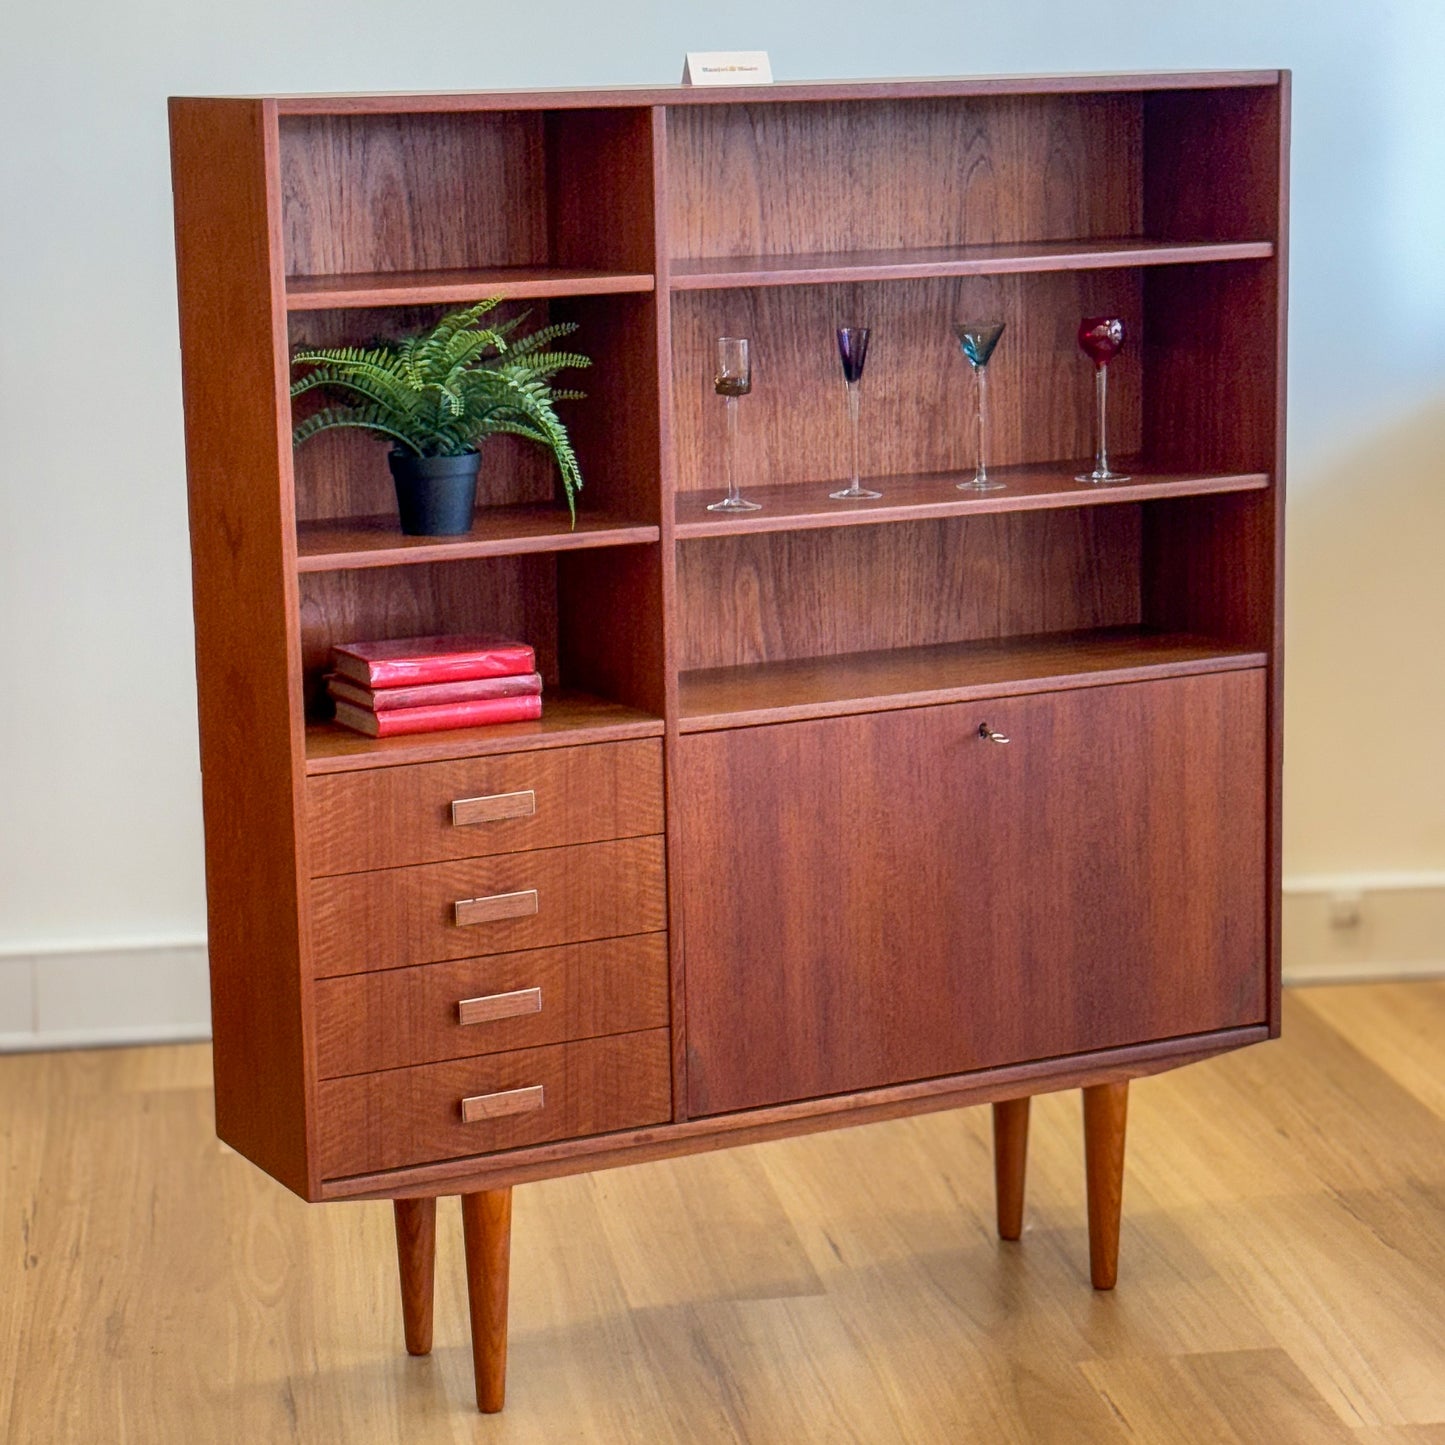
[1100, 338]
[852, 352]
[977, 339]
[733, 378]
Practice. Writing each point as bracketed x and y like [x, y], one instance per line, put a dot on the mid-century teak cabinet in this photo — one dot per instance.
[837, 811]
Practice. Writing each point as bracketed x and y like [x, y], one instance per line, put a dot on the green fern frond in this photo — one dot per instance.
[444, 391]
[332, 418]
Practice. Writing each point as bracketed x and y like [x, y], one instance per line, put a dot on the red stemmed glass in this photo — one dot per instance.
[1100, 338]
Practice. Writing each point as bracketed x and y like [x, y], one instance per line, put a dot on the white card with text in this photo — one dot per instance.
[727, 67]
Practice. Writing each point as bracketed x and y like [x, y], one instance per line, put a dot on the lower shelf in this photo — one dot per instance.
[568, 718]
[810, 687]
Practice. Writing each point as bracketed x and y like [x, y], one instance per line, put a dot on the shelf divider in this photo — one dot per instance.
[801, 506]
[708, 273]
[814, 687]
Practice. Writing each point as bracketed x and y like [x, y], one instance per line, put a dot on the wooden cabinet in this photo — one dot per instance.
[766, 863]
[970, 885]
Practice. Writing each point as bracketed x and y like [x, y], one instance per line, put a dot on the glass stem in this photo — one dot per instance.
[853, 425]
[1101, 390]
[982, 372]
[730, 404]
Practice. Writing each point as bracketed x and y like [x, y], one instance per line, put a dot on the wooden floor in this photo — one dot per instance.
[1282, 1276]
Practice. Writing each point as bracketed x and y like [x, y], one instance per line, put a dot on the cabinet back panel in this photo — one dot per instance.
[763, 597]
[515, 596]
[917, 394]
[412, 193]
[755, 179]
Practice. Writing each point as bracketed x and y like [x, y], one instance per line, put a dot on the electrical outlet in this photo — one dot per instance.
[1346, 907]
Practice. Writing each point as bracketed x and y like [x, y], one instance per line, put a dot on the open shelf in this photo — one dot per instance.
[456, 286]
[350, 542]
[812, 687]
[708, 273]
[796, 507]
[568, 718]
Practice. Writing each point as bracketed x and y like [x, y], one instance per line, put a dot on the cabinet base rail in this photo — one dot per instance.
[487, 1232]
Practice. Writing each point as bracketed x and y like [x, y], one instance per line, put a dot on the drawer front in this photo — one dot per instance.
[407, 1016]
[404, 1117]
[400, 916]
[429, 812]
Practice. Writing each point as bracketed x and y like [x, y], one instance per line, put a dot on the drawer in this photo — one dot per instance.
[428, 812]
[399, 916]
[405, 1016]
[405, 1117]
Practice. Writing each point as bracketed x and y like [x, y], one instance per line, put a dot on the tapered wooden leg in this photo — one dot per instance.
[1106, 1109]
[487, 1230]
[1010, 1158]
[416, 1253]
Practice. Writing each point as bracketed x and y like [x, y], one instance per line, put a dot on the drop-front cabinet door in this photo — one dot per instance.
[895, 896]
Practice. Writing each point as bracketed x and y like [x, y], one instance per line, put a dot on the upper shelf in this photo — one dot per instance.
[344, 543]
[422, 288]
[707, 273]
[801, 506]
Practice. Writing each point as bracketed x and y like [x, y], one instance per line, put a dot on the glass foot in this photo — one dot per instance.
[854, 493]
[1096, 476]
[734, 504]
[981, 484]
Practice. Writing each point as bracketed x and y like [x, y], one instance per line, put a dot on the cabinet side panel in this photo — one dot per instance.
[244, 586]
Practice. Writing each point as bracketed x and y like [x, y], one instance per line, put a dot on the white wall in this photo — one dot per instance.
[100, 837]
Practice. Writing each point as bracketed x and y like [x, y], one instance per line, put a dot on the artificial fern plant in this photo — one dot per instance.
[442, 393]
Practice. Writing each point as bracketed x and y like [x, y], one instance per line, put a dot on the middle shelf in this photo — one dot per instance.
[813, 687]
[333, 544]
[796, 506]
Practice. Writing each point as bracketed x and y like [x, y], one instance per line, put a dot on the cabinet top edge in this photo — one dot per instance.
[961, 87]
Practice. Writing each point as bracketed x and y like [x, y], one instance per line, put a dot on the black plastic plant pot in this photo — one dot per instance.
[435, 495]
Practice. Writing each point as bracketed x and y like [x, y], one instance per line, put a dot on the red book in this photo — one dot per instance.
[432, 694]
[407, 661]
[439, 719]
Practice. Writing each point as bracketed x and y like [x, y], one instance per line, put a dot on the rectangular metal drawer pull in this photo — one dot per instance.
[468, 911]
[466, 811]
[496, 1106]
[499, 1006]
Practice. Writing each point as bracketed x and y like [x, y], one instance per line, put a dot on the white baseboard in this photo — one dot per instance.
[87, 995]
[1399, 932]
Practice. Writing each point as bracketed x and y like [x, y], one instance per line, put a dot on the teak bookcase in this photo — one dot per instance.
[777, 868]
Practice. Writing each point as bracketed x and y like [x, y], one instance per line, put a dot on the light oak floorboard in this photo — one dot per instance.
[1282, 1274]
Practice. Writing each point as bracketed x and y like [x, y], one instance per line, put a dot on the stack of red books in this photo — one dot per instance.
[430, 684]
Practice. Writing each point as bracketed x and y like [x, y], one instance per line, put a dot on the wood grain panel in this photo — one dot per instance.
[407, 1116]
[514, 596]
[244, 593]
[752, 178]
[387, 817]
[612, 625]
[383, 193]
[1211, 164]
[917, 394]
[771, 596]
[399, 916]
[407, 1016]
[601, 197]
[920, 901]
